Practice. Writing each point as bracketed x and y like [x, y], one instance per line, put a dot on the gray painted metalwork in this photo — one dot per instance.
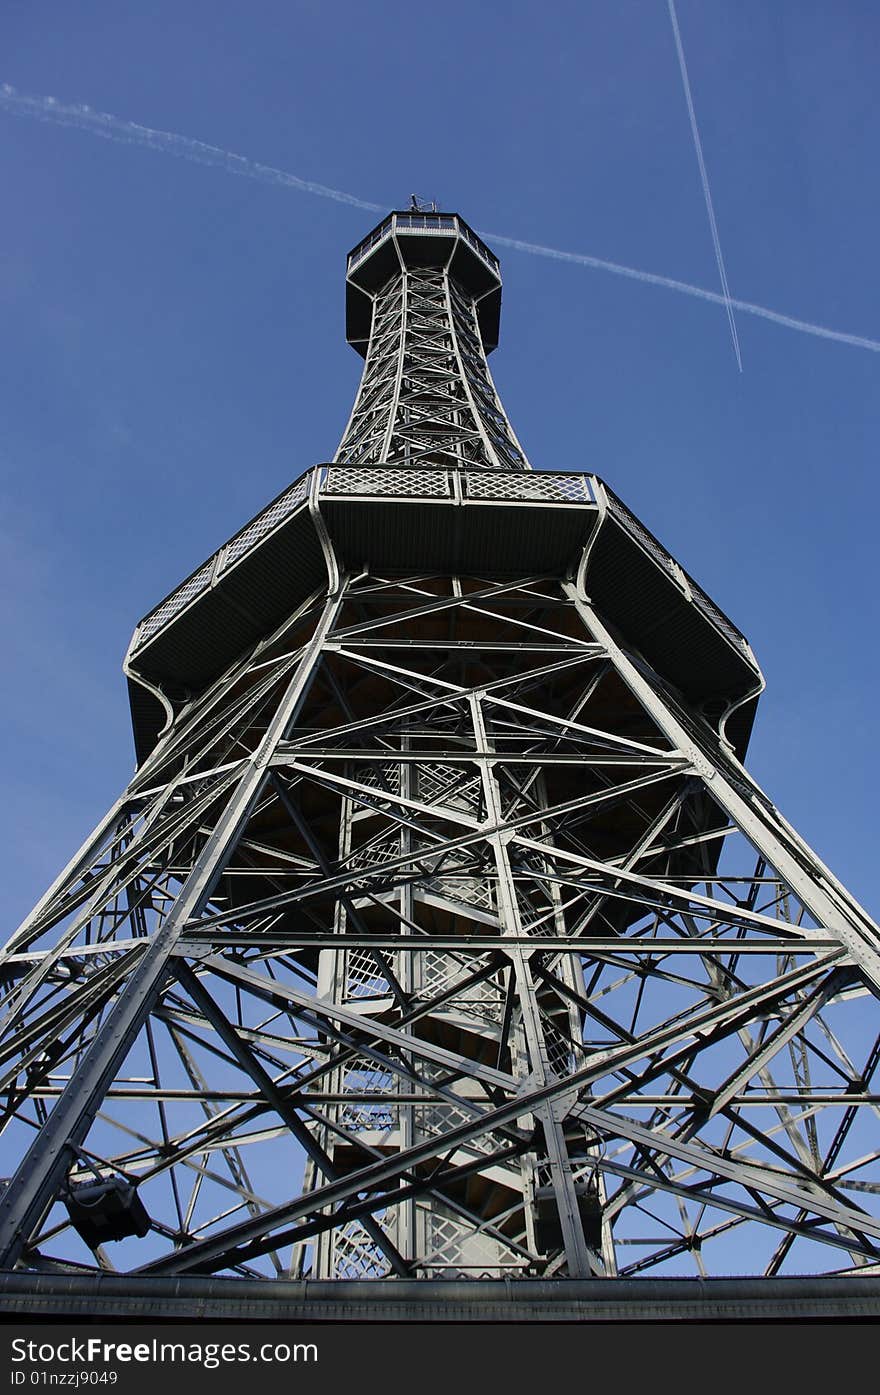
[444, 1301]
[426, 397]
[441, 936]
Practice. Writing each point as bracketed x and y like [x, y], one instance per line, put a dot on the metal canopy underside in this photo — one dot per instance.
[469, 522]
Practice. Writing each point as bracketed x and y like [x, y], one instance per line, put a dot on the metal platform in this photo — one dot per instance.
[444, 521]
[474, 1301]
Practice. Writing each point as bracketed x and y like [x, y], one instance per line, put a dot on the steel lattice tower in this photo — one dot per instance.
[441, 933]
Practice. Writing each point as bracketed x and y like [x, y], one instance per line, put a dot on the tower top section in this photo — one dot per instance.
[429, 476]
[423, 304]
[409, 240]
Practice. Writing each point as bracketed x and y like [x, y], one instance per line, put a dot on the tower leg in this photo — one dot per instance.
[733, 788]
[38, 1178]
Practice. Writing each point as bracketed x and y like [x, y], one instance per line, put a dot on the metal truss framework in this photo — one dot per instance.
[426, 397]
[440, 937]
[444, 892]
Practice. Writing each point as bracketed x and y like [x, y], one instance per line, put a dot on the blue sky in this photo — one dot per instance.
[173, 349]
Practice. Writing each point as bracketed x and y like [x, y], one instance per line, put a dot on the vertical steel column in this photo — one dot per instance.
[409, 974]
[581, 1260]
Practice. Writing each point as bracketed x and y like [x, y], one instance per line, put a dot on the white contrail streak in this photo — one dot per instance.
[184, 148]
[535, 249]
[101, 123]
[704, 180]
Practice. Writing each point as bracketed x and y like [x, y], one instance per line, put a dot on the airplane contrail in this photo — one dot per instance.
[704, 180]
[651, 278]
[113, 128]
[101, 123]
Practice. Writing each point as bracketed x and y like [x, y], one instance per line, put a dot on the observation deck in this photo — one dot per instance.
[411, 240]
[481, 522]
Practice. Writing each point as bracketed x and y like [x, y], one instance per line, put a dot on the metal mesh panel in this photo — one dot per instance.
[481, 1001]
[360, 1077]
[264, 523]
[248, 538]
[537, 487]
[463, 886]
[175, 603]
[459, 1250]
[435, 1120]
[364, 977]
[447, 785]
[380, 777]
[709, 608]
[399, 483]
[559, 1049]
[374, 854]
[357, 1255]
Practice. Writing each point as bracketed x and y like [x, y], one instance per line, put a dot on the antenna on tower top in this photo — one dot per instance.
[417, 205]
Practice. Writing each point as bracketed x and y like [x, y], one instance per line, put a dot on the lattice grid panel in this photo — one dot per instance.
[264, 524]
[429, 484]
[362, 1077]
[375, 854]
[380, 777]
[464, 887]
[481, 1001]
[176, 602]
[535, 487]
[364, 978]
[458, 1250]
[435, 1120]
[446, 785]
[357, 1255]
